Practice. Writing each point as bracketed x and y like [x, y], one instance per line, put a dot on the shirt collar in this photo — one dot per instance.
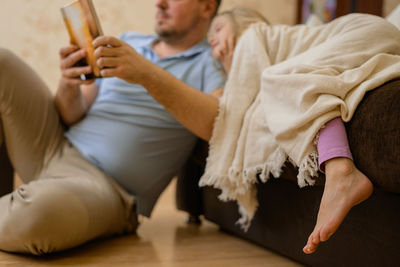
[194, 50]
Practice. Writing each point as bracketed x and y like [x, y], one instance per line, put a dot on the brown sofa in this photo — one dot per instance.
[369, 235]
[7, 172]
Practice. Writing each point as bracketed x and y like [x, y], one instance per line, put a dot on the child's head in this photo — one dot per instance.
[240, 18]
[228, 26]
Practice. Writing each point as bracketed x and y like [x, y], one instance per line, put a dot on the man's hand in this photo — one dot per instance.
[118, 59]
[74, 96]
[70, 56]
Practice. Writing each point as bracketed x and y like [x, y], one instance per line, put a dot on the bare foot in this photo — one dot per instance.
[345, 187]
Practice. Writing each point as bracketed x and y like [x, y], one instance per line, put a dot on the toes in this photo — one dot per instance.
[310, 248]
[324, 237]
[312, 243]
[325, 234]
[307, 249]
[315, 239]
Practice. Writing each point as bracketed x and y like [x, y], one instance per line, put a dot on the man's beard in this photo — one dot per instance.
[170, 35]
[166, 33]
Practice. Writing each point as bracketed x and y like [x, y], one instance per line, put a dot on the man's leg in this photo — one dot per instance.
[43, 213]
[30, 126]
[70, 203]
[67, 200]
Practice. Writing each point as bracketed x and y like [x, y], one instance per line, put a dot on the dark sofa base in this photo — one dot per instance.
[7, 172]
[287, 215]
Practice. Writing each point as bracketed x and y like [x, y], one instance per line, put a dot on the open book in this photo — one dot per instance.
[83, 27]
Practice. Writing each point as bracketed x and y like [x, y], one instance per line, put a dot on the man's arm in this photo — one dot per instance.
[74, 96]
[193, 109]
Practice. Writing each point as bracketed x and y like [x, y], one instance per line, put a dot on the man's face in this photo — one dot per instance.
[174, 18]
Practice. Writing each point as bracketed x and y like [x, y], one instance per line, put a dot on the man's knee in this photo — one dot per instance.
[8, 61]
[5, 57]
[40, 219]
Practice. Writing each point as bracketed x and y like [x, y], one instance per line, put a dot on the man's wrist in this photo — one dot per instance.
[67, 91]
[151, 74]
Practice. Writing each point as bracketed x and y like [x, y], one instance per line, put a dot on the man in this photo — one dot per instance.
[121, 149]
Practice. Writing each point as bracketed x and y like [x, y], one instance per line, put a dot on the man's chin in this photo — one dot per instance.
[169, 34]
[163, 33]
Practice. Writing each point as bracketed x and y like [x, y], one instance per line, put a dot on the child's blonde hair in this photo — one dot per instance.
[241, 18]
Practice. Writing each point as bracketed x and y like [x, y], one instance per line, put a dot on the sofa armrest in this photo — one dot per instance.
[374, 136]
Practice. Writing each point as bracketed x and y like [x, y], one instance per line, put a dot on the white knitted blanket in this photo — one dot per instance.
[285, 83]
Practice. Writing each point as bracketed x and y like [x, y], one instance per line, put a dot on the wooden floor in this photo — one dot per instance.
[163, 240]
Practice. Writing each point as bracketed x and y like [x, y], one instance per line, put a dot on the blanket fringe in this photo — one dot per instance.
[307, 170]
[245, 219]
[239, 185]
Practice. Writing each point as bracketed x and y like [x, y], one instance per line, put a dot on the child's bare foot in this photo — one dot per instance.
[345, 187]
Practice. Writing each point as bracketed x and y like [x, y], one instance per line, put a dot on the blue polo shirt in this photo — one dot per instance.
[131, 136]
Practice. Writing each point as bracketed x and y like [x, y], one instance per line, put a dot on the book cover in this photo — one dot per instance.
[83, 27]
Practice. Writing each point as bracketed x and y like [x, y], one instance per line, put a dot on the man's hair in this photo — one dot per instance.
[218, 5]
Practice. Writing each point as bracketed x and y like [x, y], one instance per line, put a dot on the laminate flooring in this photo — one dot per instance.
[164, 240]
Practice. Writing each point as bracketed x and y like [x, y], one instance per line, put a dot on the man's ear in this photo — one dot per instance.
[209, 8]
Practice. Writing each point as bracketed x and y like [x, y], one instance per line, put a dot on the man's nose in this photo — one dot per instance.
[162, 4]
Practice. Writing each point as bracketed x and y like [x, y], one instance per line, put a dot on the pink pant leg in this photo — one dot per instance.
[332, 142]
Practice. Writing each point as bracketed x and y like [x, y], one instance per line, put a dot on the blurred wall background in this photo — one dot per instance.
[35, 31]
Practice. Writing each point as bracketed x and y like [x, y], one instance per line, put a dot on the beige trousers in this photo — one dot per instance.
[65, 200]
